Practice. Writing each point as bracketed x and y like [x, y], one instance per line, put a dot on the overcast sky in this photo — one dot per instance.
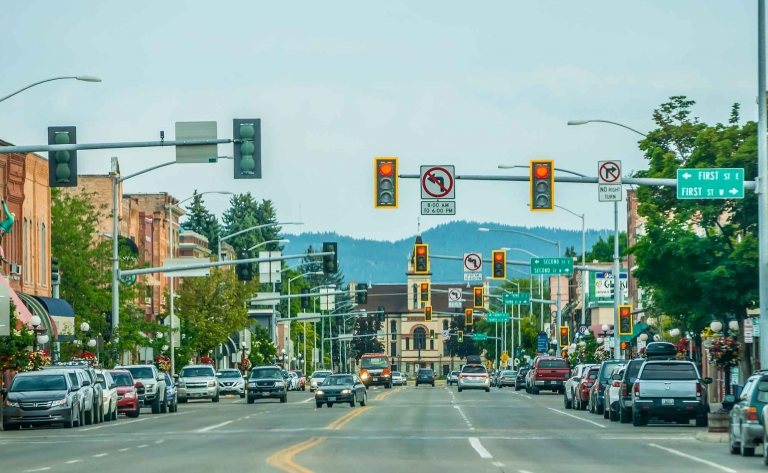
[473, 84]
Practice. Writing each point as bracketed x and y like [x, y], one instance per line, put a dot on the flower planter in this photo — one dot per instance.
[718, 422]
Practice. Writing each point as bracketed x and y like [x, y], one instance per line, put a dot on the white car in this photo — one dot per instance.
[109, 394]
[452, 378]
[577, 373]
[474, 376]
[399, 379]
[317, 379]
[613, 394]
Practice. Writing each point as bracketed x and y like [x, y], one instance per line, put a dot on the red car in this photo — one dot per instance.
[127, 393]
[581, 393]
[302, 379]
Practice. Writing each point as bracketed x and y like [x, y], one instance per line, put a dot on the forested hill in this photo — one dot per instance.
[384, 261]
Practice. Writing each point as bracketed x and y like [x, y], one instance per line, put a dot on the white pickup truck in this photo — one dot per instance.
[670, 390]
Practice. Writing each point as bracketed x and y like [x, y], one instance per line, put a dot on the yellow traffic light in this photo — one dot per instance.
[626, 327]
[385, 183]
[478, 299]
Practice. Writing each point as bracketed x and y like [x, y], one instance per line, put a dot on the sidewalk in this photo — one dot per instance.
[712, 437]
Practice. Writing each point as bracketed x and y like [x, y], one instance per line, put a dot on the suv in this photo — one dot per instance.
[425, 376]
[670, 390]
[597, 393]
[474, 376]
[452, 378]
[153, 384]
[547, 372]
[231, 381]
[625, 394]
[198, 382]
[95, 389]
[267, 381]
[39, 398]
[745, 423]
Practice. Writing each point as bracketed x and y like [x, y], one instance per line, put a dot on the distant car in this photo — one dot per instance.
[302, 379]
[425, 376]
[231, 382]
[520, 379]
[171, 394]
[341, 388]
[584, 387]
[92, 387]
[292, 380]
[317, 379]
[474, 376]
[745, 426]
[127, 397]
[452, 378]
[267, 382]
[198, 382]
[152, 390]
[41, 398]
[613, 394]
[109, 393]
[506, 378]
[570, 386]
[597, 393]
[399, 379]
[631, 371]
[548, 373]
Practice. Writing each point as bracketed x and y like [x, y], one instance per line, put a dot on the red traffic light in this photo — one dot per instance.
[421, 250]
[563, 331]
[386, 169]
[541, 171]
[624, 312]
[498, 256]
[424, 286]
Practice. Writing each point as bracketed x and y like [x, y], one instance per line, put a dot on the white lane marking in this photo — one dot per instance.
[70, 462]
[498, 464]
[576, 417]
[306, 400]
[647, 437]
[464, 416]
[100, 455]
[520, 394]
[38, 469]
[475, 442]
[696, 459]
[211, 427]
[142, 446]
[160, 441]
[118, 424]
[123, 449]
[523, 471]
[247, 417]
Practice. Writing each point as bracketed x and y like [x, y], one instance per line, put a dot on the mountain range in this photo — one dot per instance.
[376, 261]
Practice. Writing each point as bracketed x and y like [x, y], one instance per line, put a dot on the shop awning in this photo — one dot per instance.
[636, 331]
[37, 308]
[62, 314]
[22, 312]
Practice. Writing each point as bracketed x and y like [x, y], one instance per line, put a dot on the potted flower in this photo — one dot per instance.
[206, 360]
[723, 352]
[163, 363]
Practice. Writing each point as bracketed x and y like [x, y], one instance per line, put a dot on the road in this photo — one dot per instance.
[403, 429]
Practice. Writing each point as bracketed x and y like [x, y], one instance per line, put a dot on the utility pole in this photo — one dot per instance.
[762, 173]
[617, 292]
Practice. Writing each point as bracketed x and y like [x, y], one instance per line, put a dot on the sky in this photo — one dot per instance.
[335, 84]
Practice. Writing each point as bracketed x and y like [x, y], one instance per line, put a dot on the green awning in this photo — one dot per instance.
[636, 331]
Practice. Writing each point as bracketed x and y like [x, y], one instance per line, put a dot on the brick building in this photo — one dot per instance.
[193, 244]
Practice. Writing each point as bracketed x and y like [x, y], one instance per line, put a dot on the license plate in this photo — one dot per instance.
[331, 398]
[668, 402]
[195, 394]
[375, 379]
[547, 382]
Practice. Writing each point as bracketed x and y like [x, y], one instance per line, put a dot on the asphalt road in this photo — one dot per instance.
[403, 429]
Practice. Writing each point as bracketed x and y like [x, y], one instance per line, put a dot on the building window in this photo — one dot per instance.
[415, 296]
[407, 366]
[407, 343]
[393, 330]
[446, 351]
[431, 344]
[445, 325]
[419, 339]
[393, 349]
[24, 249]
[43, 275]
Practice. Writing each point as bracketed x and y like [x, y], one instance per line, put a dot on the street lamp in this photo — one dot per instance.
[85, 327]
[643, 337]
[599, 340]
[716, 326]
[733, 325]
[266, 243]
[584, 122]
[256, 227]
[92, 343]
[675, 332]
[80, 78]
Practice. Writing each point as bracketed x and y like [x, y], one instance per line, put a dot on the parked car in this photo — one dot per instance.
[317, 379]
[302, 379]
[399, 379]
[292, 380]
[597, 394]
[670, 390]
[82, 383]
[507, 378]
[452, 378]
[198, 382]
[474, 376]
[745, 424]
[520, 379]
[267, 381]
[231, 382]
[570, 386]
[127, 395]
[612, 399]
[584, 387]
[631, 370]
[94, 388]
[171, 394]
[339, 388]
[425, 376]
[42, 398]
[547, 372]
[109, 393]
[151, 390]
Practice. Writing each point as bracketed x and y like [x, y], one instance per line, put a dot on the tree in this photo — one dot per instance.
[602, 250]
[368, 325]
[263, 351]
[200, 220]
[211, 308]
[461, 349]
[570, 252]
[242, 214]
[13, 348]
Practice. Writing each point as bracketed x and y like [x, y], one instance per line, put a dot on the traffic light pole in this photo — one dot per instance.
[617, 291]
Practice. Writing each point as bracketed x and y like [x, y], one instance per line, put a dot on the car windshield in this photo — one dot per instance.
[379, 362]
[592, 374]
[509, 373]
[122, 379]
[266, 373]
[553, 364]
[141, 372]
[202, 372]
[338, 381]
[229, 374]
[632, 371]
[320, 374]
[454, 372]
[669, 371]
[39, 383]
[298, 373]
[474, 369]
[425, 372]
[607, 368]
[101, 381]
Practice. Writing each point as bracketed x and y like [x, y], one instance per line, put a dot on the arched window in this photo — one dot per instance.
[419, 338]
[445, 325]
[393, 329]
[43, 275]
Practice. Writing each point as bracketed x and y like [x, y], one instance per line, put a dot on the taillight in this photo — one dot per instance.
[698, 392]
[637, 389]
[461, 376]
[752, 413]
[624, 389]
[485, 375]
[616, 384]
[599, 388]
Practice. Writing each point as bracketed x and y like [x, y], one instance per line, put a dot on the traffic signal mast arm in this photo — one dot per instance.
[117, 145]
[524, 263]
[298, 296]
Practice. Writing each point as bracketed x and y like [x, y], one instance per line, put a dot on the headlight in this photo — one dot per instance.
[211, 384]
[182, 384]
[279, 383]
[364, 375]
[318, 393]
[150, 387]
[253, 385]
[59, 402]
[130, 395]
[346, 391]
[11, 404]
[313, 383]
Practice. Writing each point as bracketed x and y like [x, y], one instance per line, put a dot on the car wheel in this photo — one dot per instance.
[89, 416]
[318, 405]
[487, 390]
[639, 420]
[365, 400]
[11, 426]
[182, 400]
[745, 451]
[304, 388]
[566, 404]
[156, 406]
[702, 421]
[535, 391]
[765, 449]
[250, 400]
[606, 413]
[284, 399]
[459, 389]
[353, 401]
[135, 413]
[71, 422]
[517, 388]
[388, 386]
[102, 414]
[625, 416]
[613, 415]
[215, 398]
[242, 395]
[330, 404]
[164, 406]
[734, 447]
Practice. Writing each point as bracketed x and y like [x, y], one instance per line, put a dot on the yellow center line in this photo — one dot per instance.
[345, 420]
[283, 459]
[336, 422]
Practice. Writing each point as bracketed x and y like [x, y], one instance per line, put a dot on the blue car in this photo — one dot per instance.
[171, 397]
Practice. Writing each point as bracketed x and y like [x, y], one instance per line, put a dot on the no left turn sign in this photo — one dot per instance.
[609, 172]
[437, 182]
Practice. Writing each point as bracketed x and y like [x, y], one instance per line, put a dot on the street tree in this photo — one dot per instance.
[200, 220]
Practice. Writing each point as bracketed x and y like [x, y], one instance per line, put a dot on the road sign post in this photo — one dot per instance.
[551, 266]
[473, 266]
[710, 183]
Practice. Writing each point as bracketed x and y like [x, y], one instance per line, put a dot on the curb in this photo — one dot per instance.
[712, 437]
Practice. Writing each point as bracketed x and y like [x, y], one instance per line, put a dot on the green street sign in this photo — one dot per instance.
[497, 317]
[516, 298]
[551, 266]
[710, 183]
[479, 337]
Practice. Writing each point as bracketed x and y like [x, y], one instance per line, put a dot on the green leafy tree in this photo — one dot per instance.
[368, 325]
[461, 349]
[263, 351]
[602, 250]
[13, 348]
[200, 220]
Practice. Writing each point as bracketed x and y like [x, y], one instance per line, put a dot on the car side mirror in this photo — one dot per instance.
[75, 389]
[86, 383]
[113, 386]
[3, 391]
[729, 399]
[708, 380]
[176, 377]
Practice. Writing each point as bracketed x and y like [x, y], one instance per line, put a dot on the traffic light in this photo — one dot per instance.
[330, 262]
[424, 292]
[542, 185]
[244, 271]
[625, 320]
[469, 316]
[385, 183]
[305, 298]
[62, 165]
[246, 138]
[381, 312]
[499, 264]
[362, 297]
[478, 299]
[460, 336]
[421, 258]
[431, 334]
[428, 314]
[564, 353]
[55, 271]
[624, 345]
[565, 336]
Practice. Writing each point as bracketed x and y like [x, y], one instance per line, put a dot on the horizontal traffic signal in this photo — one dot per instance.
[625, 320]
[499, 264]
[385, 183]
[565, 336]
[477, 300]
[469, 317]
[421, 258]
[428, 314]
[424, 292]
[542, 185]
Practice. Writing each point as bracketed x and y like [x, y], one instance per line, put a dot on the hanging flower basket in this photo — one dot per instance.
[244, 365]
[206, 360]
[38, 359]
[87, 356]
[602, 355]
[724, 352]
[163, 363]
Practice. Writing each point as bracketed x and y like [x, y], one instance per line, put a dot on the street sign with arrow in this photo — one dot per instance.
[710, 183]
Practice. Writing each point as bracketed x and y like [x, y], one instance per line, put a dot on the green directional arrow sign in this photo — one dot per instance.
[710, 183]
[551, 266]
[516, 298]
[497, 317]
[479, 337]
